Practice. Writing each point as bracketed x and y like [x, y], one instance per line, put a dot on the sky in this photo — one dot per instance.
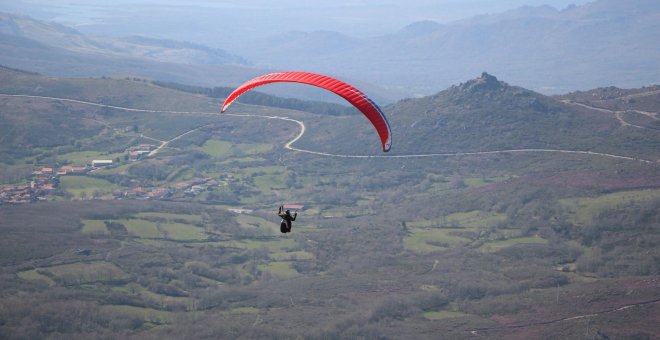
[196, 19]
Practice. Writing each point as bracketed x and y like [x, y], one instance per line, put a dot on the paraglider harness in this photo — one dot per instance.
[285, 225]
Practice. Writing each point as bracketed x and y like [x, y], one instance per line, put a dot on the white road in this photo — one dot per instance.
[165, 143]
[619, 114]
[289, 145]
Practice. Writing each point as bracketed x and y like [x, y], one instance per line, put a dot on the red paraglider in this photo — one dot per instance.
[348, 92]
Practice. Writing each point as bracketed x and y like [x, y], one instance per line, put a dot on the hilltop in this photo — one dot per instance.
[486, 114]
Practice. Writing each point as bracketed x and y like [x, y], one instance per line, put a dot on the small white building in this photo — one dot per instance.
[97, 163]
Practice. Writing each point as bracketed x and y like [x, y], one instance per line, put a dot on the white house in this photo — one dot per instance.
[101, 162]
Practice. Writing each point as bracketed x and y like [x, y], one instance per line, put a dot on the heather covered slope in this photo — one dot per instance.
[486, 114]
[185, 243]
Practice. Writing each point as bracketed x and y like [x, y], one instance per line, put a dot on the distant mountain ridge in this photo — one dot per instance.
[57, 50]
[160, 50]
[606, 42]
[551, 51]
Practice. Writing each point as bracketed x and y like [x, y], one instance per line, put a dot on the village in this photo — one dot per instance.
[180, 190]
[46, 181]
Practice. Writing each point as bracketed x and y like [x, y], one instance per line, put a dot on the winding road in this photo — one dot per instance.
[289, 145]
[165, 143]
[618, 114]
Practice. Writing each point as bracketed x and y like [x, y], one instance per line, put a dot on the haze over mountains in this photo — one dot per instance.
[58, 50]
[548, 50]
[225, 22]
[551, 51]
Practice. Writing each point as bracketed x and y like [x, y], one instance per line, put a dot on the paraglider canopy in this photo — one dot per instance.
[346, 91]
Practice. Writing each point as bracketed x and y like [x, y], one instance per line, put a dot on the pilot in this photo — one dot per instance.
[287, 218]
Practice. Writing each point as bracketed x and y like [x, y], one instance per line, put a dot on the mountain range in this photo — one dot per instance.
[57, 50]
[550, 51]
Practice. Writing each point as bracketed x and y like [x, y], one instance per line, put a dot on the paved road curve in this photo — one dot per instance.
[289, 145]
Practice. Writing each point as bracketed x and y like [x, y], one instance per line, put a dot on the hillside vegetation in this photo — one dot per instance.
[498, 245]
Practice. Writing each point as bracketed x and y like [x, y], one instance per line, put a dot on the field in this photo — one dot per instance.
[458, 230]
[167, 230]
[496, 245]
[84, 273]
[583, 209]
[426, 241]
[120, 169]
[84, 187]
[254, 222]
[190, 219]
[181, 232]
[224, 149]
[32, 275]
[94, 227]
[279, 269]
[217, 149]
